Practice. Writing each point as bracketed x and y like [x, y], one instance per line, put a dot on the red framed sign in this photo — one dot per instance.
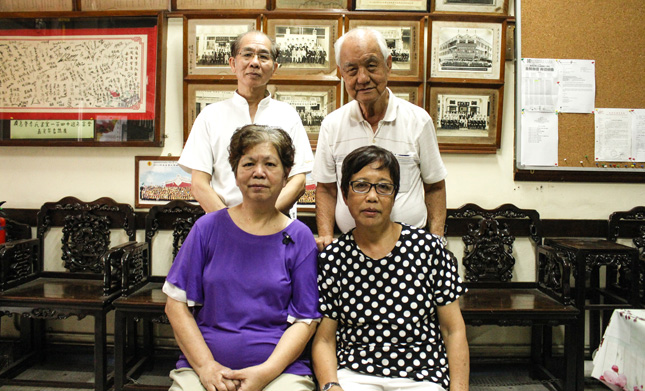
[81, 81]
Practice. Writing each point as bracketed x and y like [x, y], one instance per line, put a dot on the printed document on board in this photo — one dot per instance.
[539, 139]
[540, 85]
[578, 86]
[613, 135]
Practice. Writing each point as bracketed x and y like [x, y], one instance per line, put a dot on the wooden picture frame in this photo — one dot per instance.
[36, 5]
[389, 5]
[186, 5]
[207, 43]
[467, 119]
[312, 102]
[404, 37]
[309, 5]
[198, 95]
[466, 50]
[105, 87]
[159, 180]
[306, 45]
[123, 5]
[412, 92]
[471, 6]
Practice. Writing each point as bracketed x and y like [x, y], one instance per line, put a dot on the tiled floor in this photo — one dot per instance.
[484, 378]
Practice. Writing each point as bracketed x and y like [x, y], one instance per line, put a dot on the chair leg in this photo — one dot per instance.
[100, 361]
[119, 350]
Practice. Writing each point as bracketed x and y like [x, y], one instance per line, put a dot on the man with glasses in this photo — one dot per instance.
[377, 117]
[205, 155]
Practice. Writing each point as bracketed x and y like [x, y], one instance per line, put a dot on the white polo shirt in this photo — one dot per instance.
[407, 131]
[207, 146]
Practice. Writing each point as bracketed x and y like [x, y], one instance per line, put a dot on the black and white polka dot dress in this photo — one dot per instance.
[386, 308]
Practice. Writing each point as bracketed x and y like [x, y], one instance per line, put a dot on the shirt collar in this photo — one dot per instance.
[390, 111]
[240, 100]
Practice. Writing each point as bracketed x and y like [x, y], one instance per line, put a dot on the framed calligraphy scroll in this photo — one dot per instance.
[82, 81]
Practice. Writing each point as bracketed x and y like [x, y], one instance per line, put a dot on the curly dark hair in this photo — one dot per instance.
[249, 136]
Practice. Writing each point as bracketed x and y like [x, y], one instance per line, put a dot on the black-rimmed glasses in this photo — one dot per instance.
[382, 188]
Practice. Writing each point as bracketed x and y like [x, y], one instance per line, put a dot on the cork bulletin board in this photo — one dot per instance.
[613, 35]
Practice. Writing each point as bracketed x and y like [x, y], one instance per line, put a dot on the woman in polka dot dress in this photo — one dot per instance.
[389, 295]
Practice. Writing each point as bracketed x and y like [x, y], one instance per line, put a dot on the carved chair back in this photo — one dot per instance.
[489, 239]
[629, 225]
[178, 216]
[86, 228]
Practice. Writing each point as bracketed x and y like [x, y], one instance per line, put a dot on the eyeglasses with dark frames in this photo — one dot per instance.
[382, 188]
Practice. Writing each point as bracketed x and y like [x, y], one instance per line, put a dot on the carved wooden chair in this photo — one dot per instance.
[495, 297]
[628, 225]
[143, 301]
[91, 279]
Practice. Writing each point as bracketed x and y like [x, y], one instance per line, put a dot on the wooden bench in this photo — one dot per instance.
[91, 280]
[495, 297]
[143, 301]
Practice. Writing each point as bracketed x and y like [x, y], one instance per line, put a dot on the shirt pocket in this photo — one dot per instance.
[407, 166]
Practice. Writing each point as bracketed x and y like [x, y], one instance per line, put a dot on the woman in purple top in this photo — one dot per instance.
[242, 293]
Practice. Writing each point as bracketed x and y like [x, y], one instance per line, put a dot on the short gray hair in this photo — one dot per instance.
[380, 40]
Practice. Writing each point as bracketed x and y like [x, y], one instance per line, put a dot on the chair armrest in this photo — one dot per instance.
[135, 268]
[19, 262]
[554, 273]
[112, 269]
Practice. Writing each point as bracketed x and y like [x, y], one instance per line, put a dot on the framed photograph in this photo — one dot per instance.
[306, 46]
[36, 5]
[467, 119]
[199, 95]
[467, 50]
[158, 180]
[208, 43]
[404, 39]
[307, 202]
[480, 6]
[312, 5]
[413, 93]
[312, 102]
[180, 5]
[124, 5]
[82, 81]
[389, 5]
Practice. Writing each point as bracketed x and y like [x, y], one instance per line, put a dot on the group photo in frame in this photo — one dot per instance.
[198, 95]
[312, 102]
[83, 81]
[467, 119]
[467, 50]
[309, 4]
[306, 45]
[404, 38]
[181, 5]
[208, 43]
[478, 6]
[159, 180]
[389, 5]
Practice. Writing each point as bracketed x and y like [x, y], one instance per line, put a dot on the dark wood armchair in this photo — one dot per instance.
[91, 280]
[495, 297]
[628, 225]
[143, 302]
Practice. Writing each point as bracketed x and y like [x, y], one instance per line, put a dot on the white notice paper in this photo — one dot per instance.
[540, 88]
[638, 135]
[613, 135]
[578, 86]
[539, 141]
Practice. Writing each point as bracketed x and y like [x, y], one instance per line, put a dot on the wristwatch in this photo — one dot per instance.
[329, 385]
[443, 240]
